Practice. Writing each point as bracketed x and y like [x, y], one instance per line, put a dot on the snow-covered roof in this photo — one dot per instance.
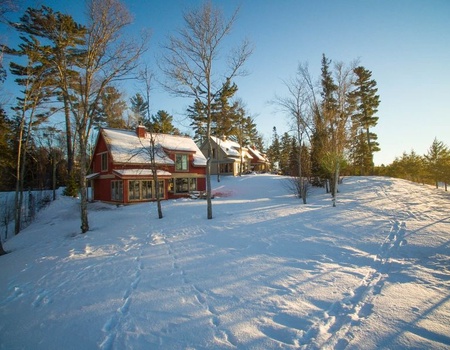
[126, 147]
[140, 172]
[257, 155]
[230, 148]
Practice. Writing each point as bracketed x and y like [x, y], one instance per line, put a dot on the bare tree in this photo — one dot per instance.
[108, 58]
[189, 63]
[147, 77]
[297, 105]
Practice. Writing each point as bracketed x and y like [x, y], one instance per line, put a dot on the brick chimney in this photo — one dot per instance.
[141, 131]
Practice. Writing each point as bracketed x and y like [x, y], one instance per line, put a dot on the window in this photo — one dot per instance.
[185, 185]
[147, 192]
[134, 192]
[117, 190]
[181, 162]
[144, 190]
[104, 161]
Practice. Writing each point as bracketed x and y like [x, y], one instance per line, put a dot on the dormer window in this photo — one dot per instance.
[104, 161]
[181, 162]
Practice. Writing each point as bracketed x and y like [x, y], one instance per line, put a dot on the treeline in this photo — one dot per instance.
[430, 168]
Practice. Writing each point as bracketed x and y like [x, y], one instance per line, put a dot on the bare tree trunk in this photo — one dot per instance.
[158, 197]
[20, 172]
[69, 144]
[54, 174]
[155, 176]
[83, 186]
[335, 180]
[147, 77]
[208, 171]
[18, 197]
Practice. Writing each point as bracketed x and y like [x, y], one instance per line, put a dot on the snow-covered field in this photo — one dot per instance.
[267, 272]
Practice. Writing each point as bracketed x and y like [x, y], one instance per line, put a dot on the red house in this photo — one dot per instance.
[121, 170]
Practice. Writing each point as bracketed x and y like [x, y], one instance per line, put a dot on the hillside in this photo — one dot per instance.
[267, 272]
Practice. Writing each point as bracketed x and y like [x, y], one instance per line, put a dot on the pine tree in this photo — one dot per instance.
[7, 152]
[324, 114]
[60, 54]
[138, 108]
[111, 109]
[274, 151]
[224, 115]
[285, 153]
[294, 157]
[162, 122]
[197, 114]
[36, 84]
[364, 140]
[437, 159]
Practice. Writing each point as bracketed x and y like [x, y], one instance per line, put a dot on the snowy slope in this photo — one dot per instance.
[267, 272]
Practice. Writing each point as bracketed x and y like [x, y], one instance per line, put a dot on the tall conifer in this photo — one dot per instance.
[364, 120]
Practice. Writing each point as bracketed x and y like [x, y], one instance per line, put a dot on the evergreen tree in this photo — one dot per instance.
[197, 114]
[111, 109]
[294, 157]
[306, 163]
[224, 115]
[324, 114]
[364, 140]
[437, 159]
[285, 153]
[244, 131]
[60, 53]
[138, 108]
[274, 151]
[162, 123]
[37, 88]
[7, 152]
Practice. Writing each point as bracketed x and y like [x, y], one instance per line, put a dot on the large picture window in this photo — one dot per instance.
[139, 190]
[181, 162]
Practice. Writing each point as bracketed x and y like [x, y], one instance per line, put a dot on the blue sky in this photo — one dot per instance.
[405, 43]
